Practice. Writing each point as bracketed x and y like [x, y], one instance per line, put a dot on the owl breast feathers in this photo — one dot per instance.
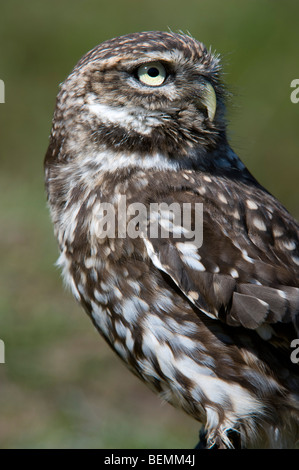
[185, 264]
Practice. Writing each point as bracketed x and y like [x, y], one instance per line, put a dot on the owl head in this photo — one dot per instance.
[153, 96]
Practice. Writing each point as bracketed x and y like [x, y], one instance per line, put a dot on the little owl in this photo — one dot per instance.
[207, 323]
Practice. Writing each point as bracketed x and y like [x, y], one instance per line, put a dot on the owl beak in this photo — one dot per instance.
[209, 100]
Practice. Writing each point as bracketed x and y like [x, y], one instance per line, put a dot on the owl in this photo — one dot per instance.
[185, 264]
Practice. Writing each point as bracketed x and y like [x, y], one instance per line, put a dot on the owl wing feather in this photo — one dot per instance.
[246, 271]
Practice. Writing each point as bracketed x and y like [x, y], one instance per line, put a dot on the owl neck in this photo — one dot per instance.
[92, 158]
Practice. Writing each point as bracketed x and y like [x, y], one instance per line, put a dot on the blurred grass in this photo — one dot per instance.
[61, 386]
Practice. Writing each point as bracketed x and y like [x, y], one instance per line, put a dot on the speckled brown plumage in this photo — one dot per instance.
[208, 326]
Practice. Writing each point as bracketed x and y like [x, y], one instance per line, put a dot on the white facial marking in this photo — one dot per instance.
[129, 117]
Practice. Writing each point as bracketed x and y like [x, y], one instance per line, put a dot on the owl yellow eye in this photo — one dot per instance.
[152, 74]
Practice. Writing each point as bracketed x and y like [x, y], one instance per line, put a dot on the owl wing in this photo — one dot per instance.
[242, 267]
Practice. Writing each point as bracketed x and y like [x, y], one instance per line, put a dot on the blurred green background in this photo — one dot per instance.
[61, 386]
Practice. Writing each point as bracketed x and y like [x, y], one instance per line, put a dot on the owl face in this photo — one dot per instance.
[146, 93]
